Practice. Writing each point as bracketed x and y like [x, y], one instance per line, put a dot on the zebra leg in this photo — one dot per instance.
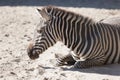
[90, 63]
[65, 60]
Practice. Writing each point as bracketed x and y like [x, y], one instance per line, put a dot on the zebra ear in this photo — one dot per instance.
[44, 14]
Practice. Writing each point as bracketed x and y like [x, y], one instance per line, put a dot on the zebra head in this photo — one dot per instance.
[43, 36]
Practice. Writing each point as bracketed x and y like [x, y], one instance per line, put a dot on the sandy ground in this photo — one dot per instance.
[17, 26]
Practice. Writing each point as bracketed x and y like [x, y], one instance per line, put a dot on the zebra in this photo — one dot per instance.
[92, 43]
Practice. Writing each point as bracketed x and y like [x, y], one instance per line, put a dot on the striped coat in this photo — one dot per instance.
[92, 43]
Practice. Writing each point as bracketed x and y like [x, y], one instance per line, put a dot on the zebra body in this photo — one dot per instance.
[96, 43]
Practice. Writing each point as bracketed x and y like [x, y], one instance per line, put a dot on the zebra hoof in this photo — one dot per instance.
[59, 63]
[77, 65]
[70, 62]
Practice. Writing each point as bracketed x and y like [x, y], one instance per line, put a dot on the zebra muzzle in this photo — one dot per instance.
[32, 53]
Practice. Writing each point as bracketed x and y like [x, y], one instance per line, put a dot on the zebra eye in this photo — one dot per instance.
[40, 30]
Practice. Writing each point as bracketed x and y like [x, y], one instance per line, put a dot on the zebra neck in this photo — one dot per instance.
[75, 37]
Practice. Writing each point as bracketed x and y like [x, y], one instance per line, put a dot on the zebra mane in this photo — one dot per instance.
[50, 7]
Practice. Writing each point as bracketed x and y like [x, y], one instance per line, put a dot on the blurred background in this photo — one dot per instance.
[109, 4]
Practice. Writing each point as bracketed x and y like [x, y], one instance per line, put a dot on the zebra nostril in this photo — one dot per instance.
[34, 55]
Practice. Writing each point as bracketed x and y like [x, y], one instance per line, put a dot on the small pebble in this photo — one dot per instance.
[6, 50]
[105, 79]
[32, 69]
[11, 52]
[0, 40]
[26, 22]
[1, 76]
[56, 72]
[41, 71]
[29, 39]
[16, 60]
[23, 77]
[25, 35]
[45, 78]
[7, 35]
[40, 66]
[63, 74]
[12, 73]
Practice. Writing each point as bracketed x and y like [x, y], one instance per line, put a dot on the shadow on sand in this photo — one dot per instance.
[107, 69]
[113, 69]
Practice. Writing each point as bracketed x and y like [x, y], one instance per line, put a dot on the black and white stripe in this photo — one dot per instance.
[96, 43]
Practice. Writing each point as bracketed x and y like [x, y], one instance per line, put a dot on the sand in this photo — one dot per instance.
[17, 26]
